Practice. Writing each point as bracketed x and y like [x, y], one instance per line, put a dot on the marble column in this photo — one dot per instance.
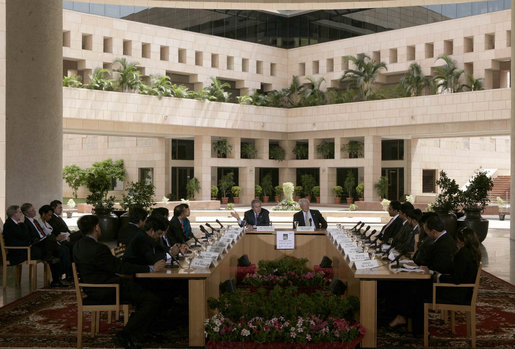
[372, 166]
[33, 101]
[512, 168]
[202, 165]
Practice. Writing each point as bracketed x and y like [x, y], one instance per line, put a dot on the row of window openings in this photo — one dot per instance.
[87, 44]
[429, 52]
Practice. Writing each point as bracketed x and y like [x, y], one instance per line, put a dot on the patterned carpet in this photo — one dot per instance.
[495, 322]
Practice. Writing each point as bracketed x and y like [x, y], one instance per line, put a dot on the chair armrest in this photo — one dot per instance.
[17, 247]
[435, 285]
[115, 286]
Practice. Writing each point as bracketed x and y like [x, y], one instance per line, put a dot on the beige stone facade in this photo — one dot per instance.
[454, 132]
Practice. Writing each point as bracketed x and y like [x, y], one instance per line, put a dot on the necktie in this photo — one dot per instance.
[40, 230]
[306, 219]
[387, 225]
[255, 218]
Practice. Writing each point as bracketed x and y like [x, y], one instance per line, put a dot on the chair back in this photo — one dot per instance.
[476, 286]
[78, 292]
[3, 250]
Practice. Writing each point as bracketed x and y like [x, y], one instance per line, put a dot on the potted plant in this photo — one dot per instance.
[301, 151]
[349, 184]
[338, 192]
[214, 192]
[474, 199]
[258, 191]
[382, 187]
[235, 190]
[74, 176]
[278, 192]
[225, 183]
[502, 208]
[192, 187]
[360, 190]
[326, 150]
[447, 201]
[354, 149]
[268, 187]
[99, 180]
[298, 192]
[248, 151]
[71, 205]
[308, 182]
[139, 194]
[276, 152]
[222, 148]
[316, 193]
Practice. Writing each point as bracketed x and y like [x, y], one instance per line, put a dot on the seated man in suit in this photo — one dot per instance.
[97, 265]
[256, 216]
[137, 216]
[307, 217]
[175, 233]
[58, 224]
[395, 223]
[16, 233]
[402, 235]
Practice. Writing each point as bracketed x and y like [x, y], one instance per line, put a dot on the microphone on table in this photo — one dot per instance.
[310, 222]
[354, 227]
[197, 242]
[221, 225]
[359, 227]
[212, 229]
[365, 232]
[397, 259]
[202, 229]
[369, 236]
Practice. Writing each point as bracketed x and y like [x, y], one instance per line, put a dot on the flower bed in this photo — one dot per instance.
[309, 279]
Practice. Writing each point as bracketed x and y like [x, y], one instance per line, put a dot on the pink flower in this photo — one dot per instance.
[293, 335]
[308, 337]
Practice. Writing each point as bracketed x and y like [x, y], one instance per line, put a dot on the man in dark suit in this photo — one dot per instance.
[439, 257]
[307, 217]
[97, 265]
[137, 216]
[256, 216]
[395, 223]
[57, 223]
[16, 233]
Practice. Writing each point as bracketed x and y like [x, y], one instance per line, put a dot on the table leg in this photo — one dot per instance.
[368, 312]
[197, 312]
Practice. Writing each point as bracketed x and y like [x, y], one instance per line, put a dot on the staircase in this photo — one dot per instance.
[501, 188]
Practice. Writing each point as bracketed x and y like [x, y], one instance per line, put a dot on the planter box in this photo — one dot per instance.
[251, 345]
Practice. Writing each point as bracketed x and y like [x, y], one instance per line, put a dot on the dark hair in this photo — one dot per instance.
[54, 204]
[44, 209]
[406, 206]
[255, 201]
[415, 214]
[178, 210]
[469, 238]
[396, 205]
[25, 207]
[87, 223]
[11, 210]
[160, 212]
[137, 214]
[434, 223]
[155, 223]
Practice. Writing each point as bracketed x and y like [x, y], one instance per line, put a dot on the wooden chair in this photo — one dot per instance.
[32, 263]
[470, 310]
[95, 309]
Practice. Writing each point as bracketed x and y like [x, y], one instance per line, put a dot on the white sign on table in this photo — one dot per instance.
[265, 228]
[203, 263]
[369, 264]
[208, 254]
[285, 240]
[216, 248]
[353, 257]
[306, 228]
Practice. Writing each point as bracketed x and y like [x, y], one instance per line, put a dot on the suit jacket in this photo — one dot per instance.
[390, 231]
[128, 233]
[59, 225]
[97, 265]
[440, 254]
[401, 239]
[318, 220]
[263, 218]
[144, 250]
[464, 270]
[18, 235]
[175, 232]
[34, 233]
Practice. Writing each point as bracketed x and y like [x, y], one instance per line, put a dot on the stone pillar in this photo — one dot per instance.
[512, 167]
[236, 147]
[33, 141]
[202, 166]
[287, 174]
[327, 182]
[372, 166]
[262, 146]
[247, 176]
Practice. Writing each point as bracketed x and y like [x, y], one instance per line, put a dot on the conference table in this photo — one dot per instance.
[261, 245]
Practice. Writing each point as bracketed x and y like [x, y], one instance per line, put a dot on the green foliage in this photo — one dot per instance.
[248, 151]
[362, 78]
[180, 91]
[139, 194]
[449, 197]
[382, 186]
[214, 191]
[129, 76]
[447, 78]
[100, 80]
[266, 185]
[475, 196]
[74, 176]
[72, 81]
[245, 100]
[308, 182]
[278, 190]
[474, 84]
[225, 183]
[283, 265]
[222, 148]
[414, 82]
[349, 184]
[326, 149]
[316, 191]
[192, 187]
[360, 189]
[216, 91]
[99, 180]
[258, 190]
[298, 190]
[236, 191]
[276, 152]
[313, 94]
[337, 191]
[301, 151]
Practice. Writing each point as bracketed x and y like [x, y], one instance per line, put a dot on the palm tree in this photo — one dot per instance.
[130, 76]
[474, 84]
[414, 82]
[447, 78]
[294, 93]
[162, 86]
[313, 95]
[72, 81]
[99, 80]
[216, 91]
[364, 75]
[179, 91]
